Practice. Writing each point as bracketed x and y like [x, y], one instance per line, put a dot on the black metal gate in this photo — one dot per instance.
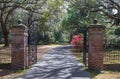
[112, 47]
[83, 54]
[85, 46]
[5, 52]
[32, 44]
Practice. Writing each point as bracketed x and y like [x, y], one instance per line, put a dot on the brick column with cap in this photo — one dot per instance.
[96, 50]
[19, 46]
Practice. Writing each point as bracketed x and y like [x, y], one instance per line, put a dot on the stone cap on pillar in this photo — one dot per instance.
[19, 29]
[96, 24]
[20, 26]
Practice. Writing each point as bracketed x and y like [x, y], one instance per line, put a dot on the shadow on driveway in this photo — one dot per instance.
[57, 63]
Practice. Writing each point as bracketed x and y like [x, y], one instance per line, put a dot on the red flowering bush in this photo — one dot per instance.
[77, 41]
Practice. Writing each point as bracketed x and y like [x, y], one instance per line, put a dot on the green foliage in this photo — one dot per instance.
[112, 39]
[52, 16]
[59, 38]
[117, 31]
[80, 15]
[53, 37]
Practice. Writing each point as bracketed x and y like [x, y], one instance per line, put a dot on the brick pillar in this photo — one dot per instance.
[95, 50]
[19, 46]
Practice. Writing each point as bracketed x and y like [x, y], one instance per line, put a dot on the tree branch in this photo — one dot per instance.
[117, 4]
[9, 12]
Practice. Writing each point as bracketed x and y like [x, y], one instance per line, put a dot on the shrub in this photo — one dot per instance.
[77, 41]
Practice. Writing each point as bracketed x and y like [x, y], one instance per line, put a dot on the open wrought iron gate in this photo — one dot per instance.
[32, 44]
[84, 53]
[85, 46]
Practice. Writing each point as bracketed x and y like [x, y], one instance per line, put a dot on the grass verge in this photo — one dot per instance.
[106, 74]
[6, 72]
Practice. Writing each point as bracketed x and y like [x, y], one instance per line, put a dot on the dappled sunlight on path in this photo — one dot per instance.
[57, 63]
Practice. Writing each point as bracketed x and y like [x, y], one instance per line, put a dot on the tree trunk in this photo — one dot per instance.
[5, 34]
[6, 39]
[71, 36]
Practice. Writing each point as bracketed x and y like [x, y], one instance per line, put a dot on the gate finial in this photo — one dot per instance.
[19, 21]
[95, 21]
